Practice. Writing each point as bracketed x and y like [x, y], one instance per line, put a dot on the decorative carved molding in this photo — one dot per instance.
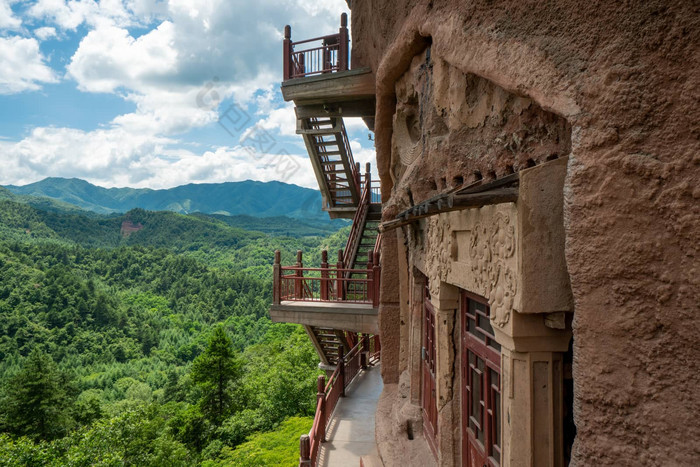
[490, 245]
[438, 257]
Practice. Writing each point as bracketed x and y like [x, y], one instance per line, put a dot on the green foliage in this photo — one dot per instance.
[36, 399]
[279, 447]
[215, 371]
[154, 349]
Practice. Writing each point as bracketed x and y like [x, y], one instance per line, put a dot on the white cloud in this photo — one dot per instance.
[7, 18]
[114, 157]
[166, 70]
[281, 120]
[68, 15]
[195, 55]
[45, 32]
[108, 58]
[23, 67]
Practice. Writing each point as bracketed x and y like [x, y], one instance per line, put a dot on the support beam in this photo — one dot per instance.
[451, 202]
[357, 108]
[343, 86]
[317, 345]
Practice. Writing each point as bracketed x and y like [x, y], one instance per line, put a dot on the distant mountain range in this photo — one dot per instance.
[258, 199]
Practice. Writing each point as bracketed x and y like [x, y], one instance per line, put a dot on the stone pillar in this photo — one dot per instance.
[389, 311]
[532, 401]
[446, 304]
[404, 303]
[416, 336]
[532, 408]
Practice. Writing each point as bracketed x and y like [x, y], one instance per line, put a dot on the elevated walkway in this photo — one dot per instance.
[350, 431]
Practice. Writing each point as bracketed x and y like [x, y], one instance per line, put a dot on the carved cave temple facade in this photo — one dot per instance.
[499, 297]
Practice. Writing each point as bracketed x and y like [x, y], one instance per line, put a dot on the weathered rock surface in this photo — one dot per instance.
[616, 87]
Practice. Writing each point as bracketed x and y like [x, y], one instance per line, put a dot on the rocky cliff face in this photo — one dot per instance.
[614, 87]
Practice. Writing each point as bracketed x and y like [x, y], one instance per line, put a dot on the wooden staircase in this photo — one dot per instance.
[327, 340]
[344, 196]
[368, 239]
[329, 151]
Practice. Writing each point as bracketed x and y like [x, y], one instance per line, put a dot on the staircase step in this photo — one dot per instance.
[326, 143]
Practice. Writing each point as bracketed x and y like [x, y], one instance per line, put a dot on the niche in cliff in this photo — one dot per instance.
[459, 127]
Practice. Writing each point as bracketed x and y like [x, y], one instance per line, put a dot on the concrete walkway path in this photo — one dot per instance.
[350, 431]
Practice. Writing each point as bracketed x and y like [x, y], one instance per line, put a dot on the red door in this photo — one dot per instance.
[429, 401]
[481, 385]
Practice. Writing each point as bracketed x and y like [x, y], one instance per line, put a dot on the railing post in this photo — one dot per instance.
[340, 286]
[324, 275]
[344, 44]
[358, 177]
[304, 451]
[368, 181]
[276, 279]
[299, 282]
[376, 278]
[341, 370]
[370, 277]
[321, 396]
[365, 351]
[287, 52]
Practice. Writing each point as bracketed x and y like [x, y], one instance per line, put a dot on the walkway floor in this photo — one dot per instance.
[350, 432]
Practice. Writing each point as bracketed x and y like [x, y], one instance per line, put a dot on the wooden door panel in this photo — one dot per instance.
[481, 382]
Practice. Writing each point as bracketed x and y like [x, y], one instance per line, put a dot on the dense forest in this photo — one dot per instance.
[147, 347]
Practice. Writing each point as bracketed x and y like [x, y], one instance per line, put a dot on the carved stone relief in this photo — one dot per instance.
[438, 257]
[490, 245]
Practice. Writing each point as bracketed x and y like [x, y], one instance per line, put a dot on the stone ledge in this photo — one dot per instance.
[394, 415]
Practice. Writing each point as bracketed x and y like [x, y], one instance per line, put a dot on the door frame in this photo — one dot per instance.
[428, 367]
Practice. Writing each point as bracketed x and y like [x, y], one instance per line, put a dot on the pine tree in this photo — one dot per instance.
[36, 399]
[215, 371]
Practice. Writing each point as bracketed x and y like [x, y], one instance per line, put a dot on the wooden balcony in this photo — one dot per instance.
[335, 297]
[317, 76]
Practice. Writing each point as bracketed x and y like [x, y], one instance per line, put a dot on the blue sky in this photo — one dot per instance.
[154, 93]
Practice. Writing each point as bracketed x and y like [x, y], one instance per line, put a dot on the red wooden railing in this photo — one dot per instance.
[375, 350]
[375, 191]
[324, 54]
[325, 284]
[349, 366]
[358, 221]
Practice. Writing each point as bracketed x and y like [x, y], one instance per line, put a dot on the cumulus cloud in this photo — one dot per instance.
[182, 63]
[23, 67]
[234, 45]
[8, 20]
[45, 32]
[109, 58]
[281, 120]
[68, 15]
[114, 157]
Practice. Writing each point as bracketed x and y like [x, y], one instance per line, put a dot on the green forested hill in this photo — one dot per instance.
[107, 341]
[259, 199]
